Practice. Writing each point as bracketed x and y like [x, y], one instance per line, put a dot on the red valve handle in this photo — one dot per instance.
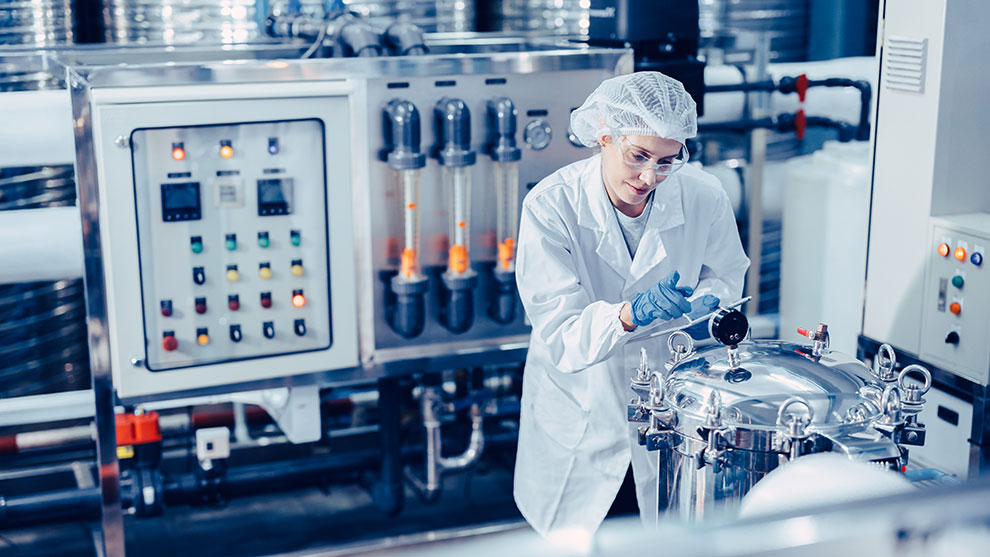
[801, 87]
[800, 124]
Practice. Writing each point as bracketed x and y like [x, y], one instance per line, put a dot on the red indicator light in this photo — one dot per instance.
[943, 249]
[298, 300]
[178, 153]
[169, 343]
[955, 308]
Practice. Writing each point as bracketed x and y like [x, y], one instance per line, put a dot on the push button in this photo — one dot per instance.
[233, 302]
[298, 300]
[266, 300]
[299, 327]
[268, 329]
[202, 336]
[235, 333]
[166, 308]
[199, 275]
[231, 242]
[297, 268]
[196, 244]
[201, 305]
[265, 270]
[232, 274]
[169, 342]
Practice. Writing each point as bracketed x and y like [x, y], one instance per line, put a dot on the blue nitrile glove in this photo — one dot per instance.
[665, 301]
[702, 306]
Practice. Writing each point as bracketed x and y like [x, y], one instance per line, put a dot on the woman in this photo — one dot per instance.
[628, 238]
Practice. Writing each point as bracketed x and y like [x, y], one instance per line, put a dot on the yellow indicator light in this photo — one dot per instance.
[265, 273]
[226, 151]
[233, 275]
[298, 300]
[203, 340]
[297, 270]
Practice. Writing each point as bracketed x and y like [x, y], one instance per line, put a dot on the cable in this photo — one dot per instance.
[319, 40]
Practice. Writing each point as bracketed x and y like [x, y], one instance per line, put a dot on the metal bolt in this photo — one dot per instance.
[137, 361]
[122, 142]
[912, 437]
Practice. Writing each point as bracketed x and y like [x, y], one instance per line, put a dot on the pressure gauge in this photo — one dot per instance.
[537, 134]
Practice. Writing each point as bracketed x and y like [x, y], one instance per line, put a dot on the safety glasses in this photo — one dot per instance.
[634, 157]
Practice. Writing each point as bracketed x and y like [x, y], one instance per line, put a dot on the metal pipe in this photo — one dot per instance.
[436, 463]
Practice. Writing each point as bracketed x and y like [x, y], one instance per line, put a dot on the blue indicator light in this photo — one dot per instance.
[976, 258]
[273, 145]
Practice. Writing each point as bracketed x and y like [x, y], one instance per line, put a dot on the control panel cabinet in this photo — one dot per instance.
[956, 324]
[227, 238]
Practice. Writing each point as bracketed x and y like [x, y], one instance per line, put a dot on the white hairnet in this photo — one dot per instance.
[641, 103]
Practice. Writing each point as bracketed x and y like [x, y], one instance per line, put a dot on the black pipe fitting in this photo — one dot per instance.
[453, 124]
[457, 309]
[358, 39]
[503, 306]
[408, 317]
[401, 127]
[404, 39]
[502, 146]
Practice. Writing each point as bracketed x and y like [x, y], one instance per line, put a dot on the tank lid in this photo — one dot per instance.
[840, 390]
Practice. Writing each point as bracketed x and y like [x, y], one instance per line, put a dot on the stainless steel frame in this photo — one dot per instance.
[96, 311]
[86, 73]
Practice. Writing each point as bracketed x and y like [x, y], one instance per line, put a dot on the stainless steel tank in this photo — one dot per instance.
[724, 417]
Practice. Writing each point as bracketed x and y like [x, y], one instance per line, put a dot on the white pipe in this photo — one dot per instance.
[46, 118]
[48, 245]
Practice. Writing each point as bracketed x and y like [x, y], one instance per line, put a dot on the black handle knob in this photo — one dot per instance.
[952, 338]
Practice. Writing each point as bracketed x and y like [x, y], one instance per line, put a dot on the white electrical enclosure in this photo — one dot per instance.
[226, 233]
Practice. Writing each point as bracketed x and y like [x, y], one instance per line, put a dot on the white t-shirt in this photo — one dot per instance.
[633, 227]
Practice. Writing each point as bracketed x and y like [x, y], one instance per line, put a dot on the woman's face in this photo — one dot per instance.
[628, 188]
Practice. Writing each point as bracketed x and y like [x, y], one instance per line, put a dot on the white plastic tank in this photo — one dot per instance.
[823, 252]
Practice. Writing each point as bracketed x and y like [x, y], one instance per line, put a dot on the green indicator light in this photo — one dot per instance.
[197, 247]
[295, 238]
[263, 242]
[957, 281]
[231, 244]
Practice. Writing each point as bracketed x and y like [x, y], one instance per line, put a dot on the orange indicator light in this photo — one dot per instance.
[943, 249]
[960, 254]
[298, 300]
[178, 153]
[226, 151]
[955, 308]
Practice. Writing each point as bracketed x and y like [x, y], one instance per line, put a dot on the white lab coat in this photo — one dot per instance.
[574, 273]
